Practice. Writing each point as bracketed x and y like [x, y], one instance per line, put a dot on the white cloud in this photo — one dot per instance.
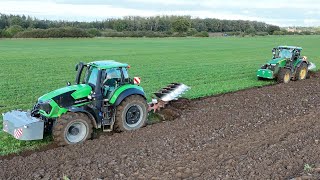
[270, 4]
[165, 2]
[48, 8]
[312, 22]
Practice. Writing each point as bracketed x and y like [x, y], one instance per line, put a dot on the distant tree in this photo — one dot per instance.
[16, 20]
[40, 24]
[202, 34]
[278, 33]
[181, 25]
[94, 32]
[251, 30]
[13, 30]
[119, 25]
[272, 29]
[192, 31]
[140, 26]
[3, 21]
[199, 25]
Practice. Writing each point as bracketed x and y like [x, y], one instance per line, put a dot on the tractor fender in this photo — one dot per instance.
[128, 92]
[302, 61]
[78, 109]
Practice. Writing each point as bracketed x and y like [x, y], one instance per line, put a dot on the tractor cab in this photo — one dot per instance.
[104, 77]
[287, 52]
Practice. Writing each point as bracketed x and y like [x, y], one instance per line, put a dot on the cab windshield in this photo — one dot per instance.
[285, 53]
[91, 76]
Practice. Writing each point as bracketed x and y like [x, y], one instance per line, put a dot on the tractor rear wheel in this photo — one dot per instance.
[72, 128]
[302, 72]
[131, 114]
[284, 75]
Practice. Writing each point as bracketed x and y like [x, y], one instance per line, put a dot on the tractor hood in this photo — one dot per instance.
[70, 93]
[275, 61]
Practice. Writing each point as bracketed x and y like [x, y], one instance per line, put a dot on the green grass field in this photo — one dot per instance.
[30, 67]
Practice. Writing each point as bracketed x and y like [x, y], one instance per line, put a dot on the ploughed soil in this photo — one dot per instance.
[271, 132]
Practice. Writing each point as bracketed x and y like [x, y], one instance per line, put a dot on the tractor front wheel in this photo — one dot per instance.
[72, 128]
[302, 72]
[284, 75]
[131, 114]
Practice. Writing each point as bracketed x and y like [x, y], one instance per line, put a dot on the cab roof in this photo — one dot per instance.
[290, 47]
[107, 64]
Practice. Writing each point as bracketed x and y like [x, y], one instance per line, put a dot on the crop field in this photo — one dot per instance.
[30, 67]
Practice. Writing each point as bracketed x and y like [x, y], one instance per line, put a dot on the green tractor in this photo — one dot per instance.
[287, 64]
[103, 97]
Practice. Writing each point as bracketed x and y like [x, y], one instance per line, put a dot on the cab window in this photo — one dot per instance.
[112, 76]
[125, 73]
[91, 76]
[113, 73]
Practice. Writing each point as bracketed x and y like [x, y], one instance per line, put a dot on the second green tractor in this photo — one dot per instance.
[286, 64]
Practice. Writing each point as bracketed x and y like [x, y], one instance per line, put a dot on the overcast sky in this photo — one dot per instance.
[278, 12]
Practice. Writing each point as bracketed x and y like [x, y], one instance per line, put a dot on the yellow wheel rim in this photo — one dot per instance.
[286, 78]
[303, 73]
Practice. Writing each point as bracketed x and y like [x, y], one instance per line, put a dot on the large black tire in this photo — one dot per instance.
[284, 75]
[302, 72]
[131, 114]
[72, 128]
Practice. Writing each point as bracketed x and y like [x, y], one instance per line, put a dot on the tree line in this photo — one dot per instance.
[133, 26]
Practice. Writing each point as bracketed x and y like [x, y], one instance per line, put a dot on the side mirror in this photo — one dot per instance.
[68, 84]
[77, 67]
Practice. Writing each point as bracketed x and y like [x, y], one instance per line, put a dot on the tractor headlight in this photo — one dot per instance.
[45, 106]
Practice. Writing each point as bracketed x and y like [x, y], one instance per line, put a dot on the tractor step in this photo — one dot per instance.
[107, 128]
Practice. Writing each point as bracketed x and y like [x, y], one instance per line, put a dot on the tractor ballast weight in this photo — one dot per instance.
[21, 125]
[105, 98]
[286, 64]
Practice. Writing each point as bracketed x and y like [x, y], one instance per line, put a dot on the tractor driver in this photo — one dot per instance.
[110, 82]
[296, 54]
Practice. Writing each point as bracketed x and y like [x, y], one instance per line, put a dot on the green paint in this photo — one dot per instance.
[118, 91]
[297, 62]
[276, 61]
[82, 92]
[56, 110]
[84, 88]
[265, 73]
